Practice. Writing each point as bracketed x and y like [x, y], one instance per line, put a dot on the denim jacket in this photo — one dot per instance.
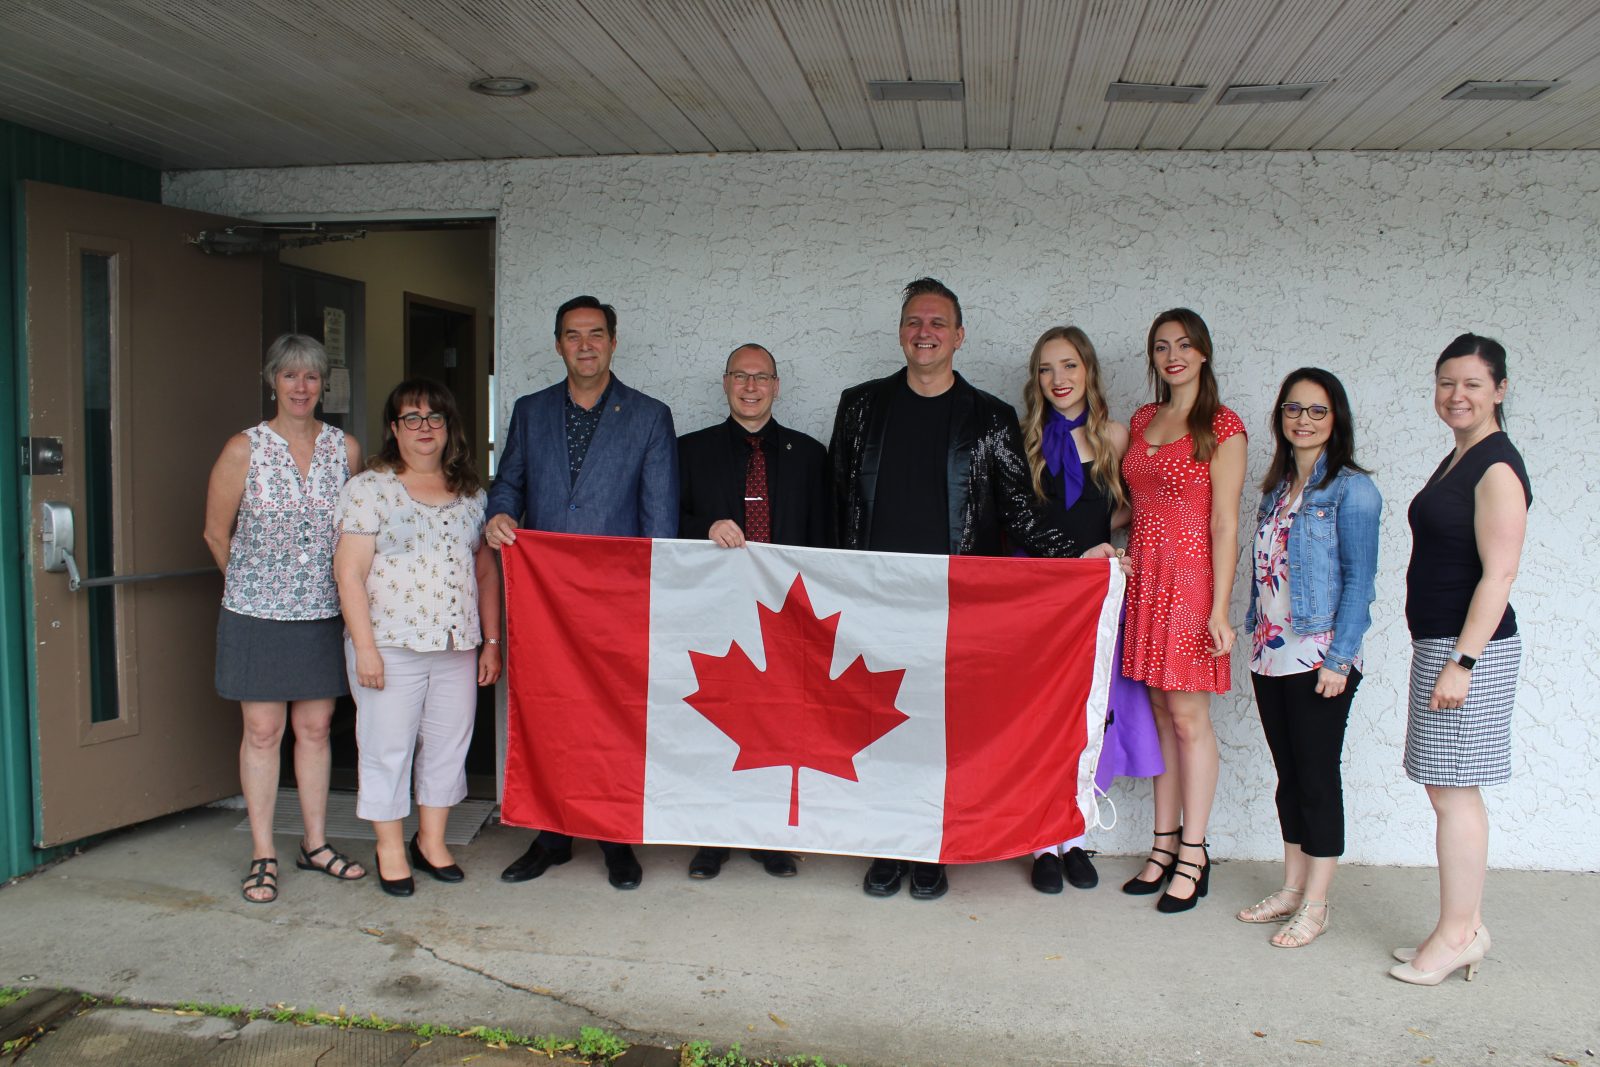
[1333, 560]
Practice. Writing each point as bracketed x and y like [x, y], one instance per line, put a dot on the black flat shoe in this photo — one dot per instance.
[448, 873]
[928, 881]
[777, 864]
[395, 887]
[1080, 869]
[883, 878]
[622, 869]
[533, 863]
[1047, 873]
[707, 863]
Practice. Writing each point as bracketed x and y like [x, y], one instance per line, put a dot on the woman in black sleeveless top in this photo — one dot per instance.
[1074, 451]
[1467, 527]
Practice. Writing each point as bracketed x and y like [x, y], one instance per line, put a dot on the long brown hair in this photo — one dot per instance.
[1104, 468]
[1206, 402]
[460, 476]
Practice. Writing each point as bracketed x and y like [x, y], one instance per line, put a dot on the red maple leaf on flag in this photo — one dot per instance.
[793, 714]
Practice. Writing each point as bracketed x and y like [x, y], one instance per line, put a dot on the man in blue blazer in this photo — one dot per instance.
[587, 456]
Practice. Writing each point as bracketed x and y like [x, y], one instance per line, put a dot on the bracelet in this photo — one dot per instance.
[491, 640]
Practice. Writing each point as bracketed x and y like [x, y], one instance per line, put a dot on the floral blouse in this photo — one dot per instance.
[280, 561]
[423, 588]
[1277, 649]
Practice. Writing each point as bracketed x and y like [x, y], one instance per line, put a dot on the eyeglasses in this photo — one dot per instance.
[1318, 412]
[761, 379]
[412, 420]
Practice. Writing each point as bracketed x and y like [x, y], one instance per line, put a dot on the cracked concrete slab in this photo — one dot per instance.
[994, 972]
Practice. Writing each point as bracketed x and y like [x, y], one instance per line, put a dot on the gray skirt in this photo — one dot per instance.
[272, 660]
[1470, 745]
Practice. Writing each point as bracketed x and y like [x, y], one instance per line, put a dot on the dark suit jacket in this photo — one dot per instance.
[991, 494]
[711, 468]
[628, 486]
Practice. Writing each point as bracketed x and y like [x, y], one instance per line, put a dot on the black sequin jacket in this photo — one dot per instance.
[991, 496]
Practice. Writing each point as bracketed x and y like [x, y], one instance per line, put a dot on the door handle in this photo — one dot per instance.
[56, 536]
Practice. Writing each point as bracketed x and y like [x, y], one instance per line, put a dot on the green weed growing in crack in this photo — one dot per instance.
[595, 1042]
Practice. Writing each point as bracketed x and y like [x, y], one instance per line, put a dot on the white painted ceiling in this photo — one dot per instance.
[231, 83]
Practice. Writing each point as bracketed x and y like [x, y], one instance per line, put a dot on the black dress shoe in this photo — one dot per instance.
[778, 864]
[1047, 873]
[1080, 870]
[533, 863]
[395, 887]
[928, 881]
[883, 878]
[623, 869]
[707, 862]
[448, 873]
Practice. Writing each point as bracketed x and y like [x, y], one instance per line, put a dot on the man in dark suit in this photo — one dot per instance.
[750, 479]
[587, 455]
[923, 462]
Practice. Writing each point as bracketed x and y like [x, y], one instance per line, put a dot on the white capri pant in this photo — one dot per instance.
[422, 716]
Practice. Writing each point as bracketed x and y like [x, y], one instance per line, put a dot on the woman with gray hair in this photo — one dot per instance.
[269, 524]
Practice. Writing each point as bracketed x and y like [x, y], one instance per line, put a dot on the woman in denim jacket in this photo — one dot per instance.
[1314, 558]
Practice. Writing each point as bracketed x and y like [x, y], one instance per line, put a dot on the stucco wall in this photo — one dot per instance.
[1364, 263]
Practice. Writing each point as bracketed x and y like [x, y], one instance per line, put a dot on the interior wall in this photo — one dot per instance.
[456, 266]
[1366, 263]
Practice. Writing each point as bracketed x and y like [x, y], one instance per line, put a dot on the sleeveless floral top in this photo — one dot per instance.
[280, 563]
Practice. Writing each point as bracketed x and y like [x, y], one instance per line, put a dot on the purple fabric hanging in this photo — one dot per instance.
[1061, 452]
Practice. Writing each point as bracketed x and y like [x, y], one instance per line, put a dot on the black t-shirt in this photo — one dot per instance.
[1445, 566]
[911, 510]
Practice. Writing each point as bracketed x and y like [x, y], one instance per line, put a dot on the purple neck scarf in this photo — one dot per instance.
[1061, 452]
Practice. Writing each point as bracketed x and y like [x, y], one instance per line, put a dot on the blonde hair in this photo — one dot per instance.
[1104, 469]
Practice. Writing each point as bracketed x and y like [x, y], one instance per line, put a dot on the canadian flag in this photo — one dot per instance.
[936, 708]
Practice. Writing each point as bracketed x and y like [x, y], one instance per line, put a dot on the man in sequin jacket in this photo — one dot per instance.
[921, 461]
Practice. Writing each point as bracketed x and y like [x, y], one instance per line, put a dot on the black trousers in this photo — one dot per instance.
[1305, 732]
[563, 843]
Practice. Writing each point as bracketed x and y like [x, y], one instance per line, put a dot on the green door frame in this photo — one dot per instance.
[28, 155]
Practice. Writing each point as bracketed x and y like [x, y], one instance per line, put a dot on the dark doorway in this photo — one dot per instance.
[441, 344]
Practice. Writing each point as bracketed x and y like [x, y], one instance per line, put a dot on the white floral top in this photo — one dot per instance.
[280, 561]
[423, 587]
[1278, 651]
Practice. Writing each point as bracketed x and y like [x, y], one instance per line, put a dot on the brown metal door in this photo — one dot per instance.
[144, 354]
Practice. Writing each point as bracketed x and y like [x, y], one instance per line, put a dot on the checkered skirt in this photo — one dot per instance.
[1471, 745]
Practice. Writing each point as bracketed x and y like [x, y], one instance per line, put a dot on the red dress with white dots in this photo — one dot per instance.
[1166, 644]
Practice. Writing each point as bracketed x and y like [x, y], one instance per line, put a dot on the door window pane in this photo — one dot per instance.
[95, 532]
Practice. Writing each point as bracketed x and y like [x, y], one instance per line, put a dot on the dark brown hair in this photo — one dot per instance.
[1341, 446]
[460, 476]
[1206, 403]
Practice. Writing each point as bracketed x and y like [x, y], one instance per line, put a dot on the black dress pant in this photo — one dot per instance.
[563, 843]
[1305, 732]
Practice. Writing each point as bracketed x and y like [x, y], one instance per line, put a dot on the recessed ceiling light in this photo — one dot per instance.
[503, 86]
[916, 90]
[1500, 90]
[1135, 93]
[1269, 94]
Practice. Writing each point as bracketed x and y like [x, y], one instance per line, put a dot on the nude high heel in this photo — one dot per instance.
[1406, 955]
[1469, 957]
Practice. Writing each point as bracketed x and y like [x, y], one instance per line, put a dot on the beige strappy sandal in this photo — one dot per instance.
[1304, 928]
[1272, 909]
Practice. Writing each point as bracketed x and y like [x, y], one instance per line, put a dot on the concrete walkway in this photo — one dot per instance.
[993, 973]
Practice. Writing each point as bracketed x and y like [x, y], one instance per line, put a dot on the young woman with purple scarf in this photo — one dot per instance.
[1074, 451]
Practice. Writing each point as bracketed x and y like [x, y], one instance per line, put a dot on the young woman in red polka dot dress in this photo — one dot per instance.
[1185, 471]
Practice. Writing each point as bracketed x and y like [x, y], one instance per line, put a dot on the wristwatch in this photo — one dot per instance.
[1462, 660]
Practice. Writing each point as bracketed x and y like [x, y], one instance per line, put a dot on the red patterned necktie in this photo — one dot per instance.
[757, 508]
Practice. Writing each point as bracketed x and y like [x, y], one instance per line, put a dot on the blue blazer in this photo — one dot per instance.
[628, 486]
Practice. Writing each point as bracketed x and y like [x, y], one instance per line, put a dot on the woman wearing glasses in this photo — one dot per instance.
[1312, 567]
[421, 601]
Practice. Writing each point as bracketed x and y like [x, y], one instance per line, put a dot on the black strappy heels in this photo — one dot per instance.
[1137, 886]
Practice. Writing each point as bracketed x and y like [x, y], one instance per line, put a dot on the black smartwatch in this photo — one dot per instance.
[1462, 660]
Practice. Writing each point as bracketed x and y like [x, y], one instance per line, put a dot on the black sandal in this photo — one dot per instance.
[263, 874]
[341, 871]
